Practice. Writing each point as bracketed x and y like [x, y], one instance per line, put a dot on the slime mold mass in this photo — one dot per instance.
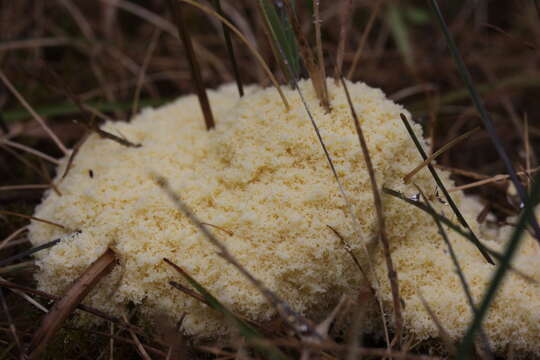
[261, 175]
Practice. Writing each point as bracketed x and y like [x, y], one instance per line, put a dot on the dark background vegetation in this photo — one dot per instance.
[98, 49]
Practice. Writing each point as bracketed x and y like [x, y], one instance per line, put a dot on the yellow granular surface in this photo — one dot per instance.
[262, 176]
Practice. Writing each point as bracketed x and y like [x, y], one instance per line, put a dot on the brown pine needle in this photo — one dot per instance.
[195, 69]
[392, 275]
[7, 212]
[140, 348]
[250, 46]
[142, 71]
[496, 178]
[467, 173]
[12, 236]
[184, 289]
[30, 151]
[319, 83]
[35, 115]
[363, 39]
[24, 187]
[230, 233]
[65, 306]
[9, 319]
[437, 153]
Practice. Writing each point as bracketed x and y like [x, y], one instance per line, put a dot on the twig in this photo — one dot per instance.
[73, 296]
[392, 275]
[38, 118]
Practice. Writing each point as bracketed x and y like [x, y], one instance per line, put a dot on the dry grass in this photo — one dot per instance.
[109, 50]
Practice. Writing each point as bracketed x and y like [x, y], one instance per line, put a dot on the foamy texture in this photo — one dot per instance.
[261, 174]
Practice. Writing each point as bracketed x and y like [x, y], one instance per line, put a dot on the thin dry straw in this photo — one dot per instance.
[38, 118]
[350, 207]
[466, 344]
[183, 32]
[484, 115]
[437, 153]
[230, 49]
[440, 184]
[300, 325]
[392, 274]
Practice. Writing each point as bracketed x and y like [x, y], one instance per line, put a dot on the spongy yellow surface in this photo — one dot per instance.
[262, 176]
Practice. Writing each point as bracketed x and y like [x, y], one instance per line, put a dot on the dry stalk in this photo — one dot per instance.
[345, 24]
[392, 275]
[320, 55]
[319, 82]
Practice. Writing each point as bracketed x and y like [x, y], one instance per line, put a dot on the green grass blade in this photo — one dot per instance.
[464, 350]
[484, 115]
[70, 109]
[246, 330]
[283, 35]
[400, 32]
